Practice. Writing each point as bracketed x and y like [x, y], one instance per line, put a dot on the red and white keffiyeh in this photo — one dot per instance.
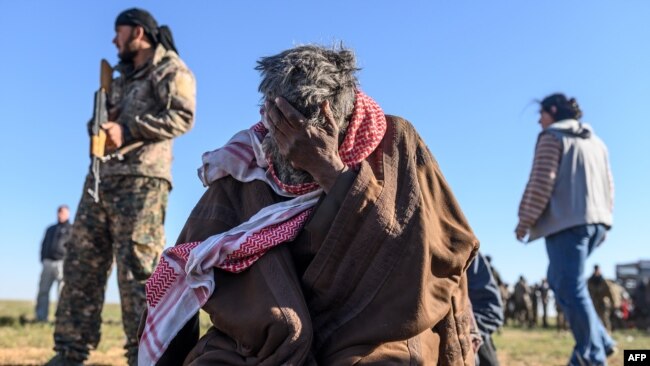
[184, 278]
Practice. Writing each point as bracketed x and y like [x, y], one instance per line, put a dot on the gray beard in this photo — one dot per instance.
[283, 169]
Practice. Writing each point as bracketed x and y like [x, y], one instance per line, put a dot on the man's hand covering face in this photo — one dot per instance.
[314, 149]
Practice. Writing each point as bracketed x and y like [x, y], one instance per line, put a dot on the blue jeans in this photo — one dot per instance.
[52, 271]
[567, 253]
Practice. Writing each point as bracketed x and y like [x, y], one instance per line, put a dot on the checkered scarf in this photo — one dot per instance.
[184, 278]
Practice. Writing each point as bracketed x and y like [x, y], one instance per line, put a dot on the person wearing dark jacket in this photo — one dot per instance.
[150, 103]
[485, 296]
[52, 253]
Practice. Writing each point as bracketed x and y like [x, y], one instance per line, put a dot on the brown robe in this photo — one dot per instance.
[377, 276]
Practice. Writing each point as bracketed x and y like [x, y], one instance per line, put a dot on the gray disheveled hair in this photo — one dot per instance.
[308, 75]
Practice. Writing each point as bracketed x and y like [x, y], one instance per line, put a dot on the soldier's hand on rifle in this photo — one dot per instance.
[114, 134]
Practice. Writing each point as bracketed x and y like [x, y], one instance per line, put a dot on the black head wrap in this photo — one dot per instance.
[143, 18]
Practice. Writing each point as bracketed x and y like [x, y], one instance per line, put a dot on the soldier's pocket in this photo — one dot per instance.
[148, 239]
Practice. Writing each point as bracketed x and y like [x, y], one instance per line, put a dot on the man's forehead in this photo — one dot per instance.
[123, 27]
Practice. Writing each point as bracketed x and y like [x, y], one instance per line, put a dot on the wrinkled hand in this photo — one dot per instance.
[521, 232]
[314, 149]
[114, 134]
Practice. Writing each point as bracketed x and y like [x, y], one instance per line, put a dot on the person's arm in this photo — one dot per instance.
[212, 214]
[485, 295]
[177, 91]
[548, 153]
[44, 243]
[328, 207]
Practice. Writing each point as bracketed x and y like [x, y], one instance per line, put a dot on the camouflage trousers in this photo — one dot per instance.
[126, 225]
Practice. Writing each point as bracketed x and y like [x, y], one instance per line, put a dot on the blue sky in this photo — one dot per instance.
[466, 74]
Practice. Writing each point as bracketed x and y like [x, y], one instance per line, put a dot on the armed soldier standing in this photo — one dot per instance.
[149, 104]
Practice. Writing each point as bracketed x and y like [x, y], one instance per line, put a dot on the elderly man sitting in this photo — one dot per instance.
[327, 235]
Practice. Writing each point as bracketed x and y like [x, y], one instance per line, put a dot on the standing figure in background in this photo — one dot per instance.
[569, 200]
[495, 273]
[534, 301]
[601, 296]
[618, 315]
[150, 103]
[484, 294]
[503, 288]
[523, 305]
[52, 253]
[543, 297]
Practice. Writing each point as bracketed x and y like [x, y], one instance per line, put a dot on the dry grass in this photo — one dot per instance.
[31, 344]
[548, 347]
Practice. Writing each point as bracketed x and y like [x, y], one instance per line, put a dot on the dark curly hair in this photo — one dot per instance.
[565, 108]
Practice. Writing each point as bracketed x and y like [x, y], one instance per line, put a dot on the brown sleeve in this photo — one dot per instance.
[453, 248]
[393, 261]
[321, 221]
[212, 214]
[455, 331]
[259, 316]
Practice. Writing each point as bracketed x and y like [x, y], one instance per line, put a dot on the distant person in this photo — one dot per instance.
[495, 273]
[617, 315]
[523, 303]
[484, 294]
[568, 200]
[602, 296]
[150, 103]
[534, 300]
[52, 253]
[544, 298]
[503, 288]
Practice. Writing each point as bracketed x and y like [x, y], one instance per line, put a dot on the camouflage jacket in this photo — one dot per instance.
[601, 292]
[154, 104]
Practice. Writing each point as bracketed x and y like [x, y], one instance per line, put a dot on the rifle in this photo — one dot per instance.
[100, 116]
